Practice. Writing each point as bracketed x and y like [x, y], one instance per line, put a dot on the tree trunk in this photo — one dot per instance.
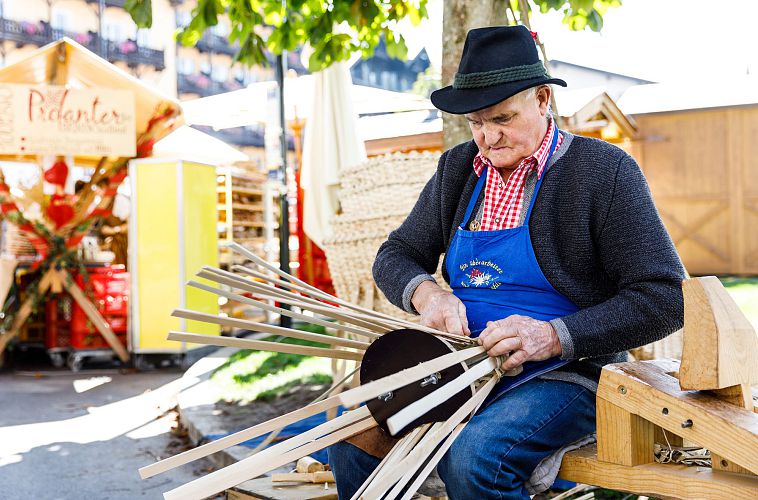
[459, 17]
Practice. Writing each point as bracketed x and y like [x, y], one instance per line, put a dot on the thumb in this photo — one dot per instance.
[464, 319]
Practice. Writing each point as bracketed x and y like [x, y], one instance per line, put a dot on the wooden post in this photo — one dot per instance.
[720, 345]
[623, 438]
[24, 311]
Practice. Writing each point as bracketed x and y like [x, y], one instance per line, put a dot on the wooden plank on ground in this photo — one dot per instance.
[661, 480]
[263, 489]
[322, 477]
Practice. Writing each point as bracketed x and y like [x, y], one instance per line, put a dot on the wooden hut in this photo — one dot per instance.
[697, 144]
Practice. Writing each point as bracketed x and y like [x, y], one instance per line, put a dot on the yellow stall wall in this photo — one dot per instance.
[172, 235]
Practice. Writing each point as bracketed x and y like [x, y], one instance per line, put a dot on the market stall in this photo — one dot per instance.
[68, 113]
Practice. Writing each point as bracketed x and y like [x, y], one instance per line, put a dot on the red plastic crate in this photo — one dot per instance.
[58, 322]
[108, 289]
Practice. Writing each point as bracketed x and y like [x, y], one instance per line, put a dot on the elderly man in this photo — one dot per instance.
[556, 257]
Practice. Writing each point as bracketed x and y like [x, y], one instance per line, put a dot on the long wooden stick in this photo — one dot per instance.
[404, 377]
[263, 290]
[256, 465]
[238, 437]
[266, 265]
[305, 296]
[283, 312]
[378, 476]
[430, 441]
[262, 345]
[272, 329]
[397, 323]
[401, 419]
[396, 451]
[356, 313]
[324, 297]
[431, 464]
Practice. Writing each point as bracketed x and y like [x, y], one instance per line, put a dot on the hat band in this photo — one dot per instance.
[495, 77]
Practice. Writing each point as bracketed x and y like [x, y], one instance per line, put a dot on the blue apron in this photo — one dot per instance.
[495, 274]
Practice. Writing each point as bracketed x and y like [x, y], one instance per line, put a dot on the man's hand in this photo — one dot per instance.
[526, 339]
[440, 309]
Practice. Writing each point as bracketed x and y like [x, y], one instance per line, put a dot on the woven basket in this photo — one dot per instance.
[376, 196]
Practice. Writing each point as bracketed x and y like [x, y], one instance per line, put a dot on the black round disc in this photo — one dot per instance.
[401, 349]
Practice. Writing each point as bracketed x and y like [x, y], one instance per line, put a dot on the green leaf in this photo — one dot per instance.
[396, 47]
[141, 12]
[595, 21]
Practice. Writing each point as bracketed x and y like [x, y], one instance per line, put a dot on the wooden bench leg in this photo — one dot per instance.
[623, 438]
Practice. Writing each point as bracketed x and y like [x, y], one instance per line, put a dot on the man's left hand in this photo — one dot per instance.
[526, 339]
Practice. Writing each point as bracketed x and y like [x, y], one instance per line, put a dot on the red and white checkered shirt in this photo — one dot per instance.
[504, 200]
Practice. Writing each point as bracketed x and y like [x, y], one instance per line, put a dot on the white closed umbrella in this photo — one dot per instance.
[331, 144]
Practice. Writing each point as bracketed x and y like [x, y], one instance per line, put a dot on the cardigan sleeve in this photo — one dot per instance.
[638, 255]
[411, 253]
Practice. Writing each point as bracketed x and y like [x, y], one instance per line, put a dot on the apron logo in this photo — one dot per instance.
[478, 278]
[481, 278]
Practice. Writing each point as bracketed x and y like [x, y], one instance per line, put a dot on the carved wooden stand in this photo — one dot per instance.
[704, 400]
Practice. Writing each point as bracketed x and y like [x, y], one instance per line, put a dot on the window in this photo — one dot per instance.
[113, 31]
[144, 37]
[61, 19]
[220, 73]
[185, 66]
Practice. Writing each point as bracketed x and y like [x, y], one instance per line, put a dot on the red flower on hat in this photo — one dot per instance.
[534, 35]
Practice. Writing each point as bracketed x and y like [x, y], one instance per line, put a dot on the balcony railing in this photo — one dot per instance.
[210, 42]
[109, 3]
[40, 33]
[204, 85]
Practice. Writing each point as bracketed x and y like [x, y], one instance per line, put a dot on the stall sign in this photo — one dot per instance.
[57, 120]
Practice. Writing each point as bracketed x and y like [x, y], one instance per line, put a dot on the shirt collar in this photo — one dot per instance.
[538, 158]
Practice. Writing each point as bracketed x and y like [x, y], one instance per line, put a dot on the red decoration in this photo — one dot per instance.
[534, 35]
[59, 210]
[57, 174]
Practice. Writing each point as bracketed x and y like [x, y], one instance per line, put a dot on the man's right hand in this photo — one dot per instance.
[440, 309]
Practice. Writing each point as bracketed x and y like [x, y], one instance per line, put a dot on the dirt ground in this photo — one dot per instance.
[239, 416]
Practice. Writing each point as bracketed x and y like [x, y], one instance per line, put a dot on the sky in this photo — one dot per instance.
[658, 40]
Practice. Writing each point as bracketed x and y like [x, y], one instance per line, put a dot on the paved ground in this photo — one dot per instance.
[81, 435]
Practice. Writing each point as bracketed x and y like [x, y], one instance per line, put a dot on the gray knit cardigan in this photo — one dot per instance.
[597, 237]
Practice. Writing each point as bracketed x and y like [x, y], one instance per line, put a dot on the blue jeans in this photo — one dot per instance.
[502, 444]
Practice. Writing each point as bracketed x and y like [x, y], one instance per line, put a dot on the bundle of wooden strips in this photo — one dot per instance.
[419, 386]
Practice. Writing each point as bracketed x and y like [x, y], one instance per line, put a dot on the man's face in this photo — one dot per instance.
[513, 129]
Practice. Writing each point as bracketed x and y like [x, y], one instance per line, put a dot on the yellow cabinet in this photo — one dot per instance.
[172, 234]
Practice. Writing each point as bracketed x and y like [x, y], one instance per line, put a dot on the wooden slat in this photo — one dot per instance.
[645, 389]
[285, 312]
[265, 327]
[662, 480]
[402, 418]
[404, 377]
[263, 290]
[262, 345]
[428, 443]
[218, 481]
